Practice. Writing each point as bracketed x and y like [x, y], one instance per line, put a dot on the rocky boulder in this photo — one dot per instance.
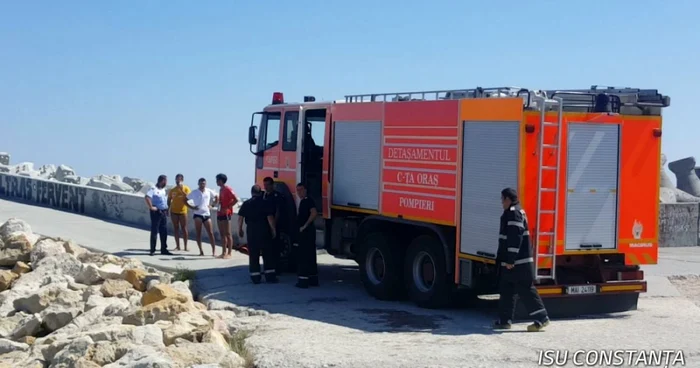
[64, 306]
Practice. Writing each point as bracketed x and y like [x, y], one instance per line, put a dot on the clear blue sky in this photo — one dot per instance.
[142, 88]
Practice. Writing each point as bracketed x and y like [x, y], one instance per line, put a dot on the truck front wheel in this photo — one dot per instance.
[425, 272]
[380, 264]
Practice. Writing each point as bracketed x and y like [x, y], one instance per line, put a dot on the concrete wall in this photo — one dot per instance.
[678, 224]
[125, 208]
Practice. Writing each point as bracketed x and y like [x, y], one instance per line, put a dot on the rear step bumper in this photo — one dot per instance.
[575, 291]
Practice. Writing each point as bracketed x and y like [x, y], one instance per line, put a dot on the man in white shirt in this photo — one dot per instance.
[157, 202]
[200, 200]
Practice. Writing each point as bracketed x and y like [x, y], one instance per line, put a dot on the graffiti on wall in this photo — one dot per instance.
[46, 193]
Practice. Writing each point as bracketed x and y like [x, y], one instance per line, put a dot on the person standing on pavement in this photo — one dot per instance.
[227, 199]
[307, 270]
[259, 218]
[275, 200]
[517, 266]
[200, 202]
[178, 210]
[157, 202]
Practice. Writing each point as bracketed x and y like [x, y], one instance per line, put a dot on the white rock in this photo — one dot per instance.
[29, 326]
[54, 294]
[47, 171]
[143, 357]
[71, 353]
[15, 248]
[183, 289]
[46, 247]
[14, 225]
[61, 264]
[63, 171]
[89, 275]
[71, 248]
[111, 272]
[57, 316]
[9, 346]
[152, 283]
[9, 324]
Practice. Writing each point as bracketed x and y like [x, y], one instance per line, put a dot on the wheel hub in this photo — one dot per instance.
[423, 271]
[375, 266]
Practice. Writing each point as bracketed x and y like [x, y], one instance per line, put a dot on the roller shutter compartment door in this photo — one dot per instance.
[592, 183]
[490, 163]
[356, 164]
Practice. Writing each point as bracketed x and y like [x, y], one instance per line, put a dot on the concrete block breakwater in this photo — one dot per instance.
[125, 208]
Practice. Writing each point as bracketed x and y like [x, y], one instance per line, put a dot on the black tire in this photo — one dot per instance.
[426, 255]
[381, 263]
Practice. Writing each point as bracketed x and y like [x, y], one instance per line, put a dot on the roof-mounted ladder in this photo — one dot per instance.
[542, 210]
[593, 99]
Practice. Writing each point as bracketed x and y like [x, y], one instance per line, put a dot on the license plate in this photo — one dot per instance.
[581, 289]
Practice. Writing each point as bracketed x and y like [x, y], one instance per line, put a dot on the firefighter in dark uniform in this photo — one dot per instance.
[517, 266]
[275, 200]
[260, 221]
[307, 270]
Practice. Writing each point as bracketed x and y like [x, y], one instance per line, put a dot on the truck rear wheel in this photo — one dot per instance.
[380, 263]
[425, 272]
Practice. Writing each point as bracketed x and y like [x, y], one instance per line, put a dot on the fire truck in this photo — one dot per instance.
[408, 185]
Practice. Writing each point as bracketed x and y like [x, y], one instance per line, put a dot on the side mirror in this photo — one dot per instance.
[252, 140]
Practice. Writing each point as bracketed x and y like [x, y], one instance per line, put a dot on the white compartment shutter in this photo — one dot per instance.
[490, 163]
[356, 164]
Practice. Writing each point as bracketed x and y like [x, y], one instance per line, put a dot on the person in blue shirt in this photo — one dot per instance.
[157, 202]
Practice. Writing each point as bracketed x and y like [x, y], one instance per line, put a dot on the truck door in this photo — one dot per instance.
[312, 143]
[288, 153]
[268, 149]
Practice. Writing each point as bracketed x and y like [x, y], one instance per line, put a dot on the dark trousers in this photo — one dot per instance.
[159, 221]
[266, 247]
[307, 270]
[519, 284]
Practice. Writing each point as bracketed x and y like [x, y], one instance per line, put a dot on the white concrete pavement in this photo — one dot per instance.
[339, 325]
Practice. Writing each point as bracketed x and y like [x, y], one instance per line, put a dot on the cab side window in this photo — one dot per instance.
[289, 142]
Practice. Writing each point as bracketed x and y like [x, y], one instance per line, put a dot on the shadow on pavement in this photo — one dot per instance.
[341, 300]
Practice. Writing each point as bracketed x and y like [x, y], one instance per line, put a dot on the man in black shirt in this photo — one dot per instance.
[275, 200]
[306, 254]
[260, 221]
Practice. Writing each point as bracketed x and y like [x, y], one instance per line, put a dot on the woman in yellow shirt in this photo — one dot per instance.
[178, 210]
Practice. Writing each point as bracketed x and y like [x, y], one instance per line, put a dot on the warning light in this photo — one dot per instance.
[309, 99]
[657, 132]
[277, 98]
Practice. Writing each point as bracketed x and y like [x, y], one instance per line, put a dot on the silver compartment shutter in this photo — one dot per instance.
[490, 163]
[592, 177]
[356, 164]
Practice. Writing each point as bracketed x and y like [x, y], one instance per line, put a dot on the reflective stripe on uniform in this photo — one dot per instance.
[515, 223]
[303, 278]
[538, 311]
[502, 237]
[269, 271]
[526, 232]
[514, 250]
[255, 274]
